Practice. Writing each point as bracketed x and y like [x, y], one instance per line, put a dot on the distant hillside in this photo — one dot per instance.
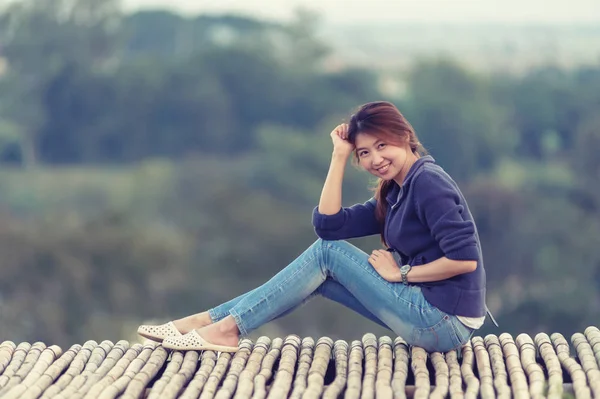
[496, 47]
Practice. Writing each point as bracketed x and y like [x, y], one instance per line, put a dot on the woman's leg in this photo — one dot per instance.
[329, 289]
[403, 308]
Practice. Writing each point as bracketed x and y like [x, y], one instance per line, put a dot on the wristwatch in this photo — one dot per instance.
[403, 272]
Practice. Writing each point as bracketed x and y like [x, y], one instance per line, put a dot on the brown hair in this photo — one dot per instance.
[384, 120]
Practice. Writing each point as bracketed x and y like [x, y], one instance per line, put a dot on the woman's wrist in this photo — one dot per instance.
[340, 156]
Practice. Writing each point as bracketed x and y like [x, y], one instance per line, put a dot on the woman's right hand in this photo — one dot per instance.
[339, 137]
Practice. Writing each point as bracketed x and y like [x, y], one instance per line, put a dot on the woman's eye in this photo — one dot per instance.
[362, 153]
[381, 145]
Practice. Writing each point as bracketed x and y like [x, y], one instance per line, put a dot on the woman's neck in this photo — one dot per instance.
[408, 163]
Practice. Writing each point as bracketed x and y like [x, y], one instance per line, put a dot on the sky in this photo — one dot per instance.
[359, 11]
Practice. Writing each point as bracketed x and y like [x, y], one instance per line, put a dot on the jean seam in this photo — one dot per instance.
[375, 274]
[213, 316]
[240, 324]
[436, 325]
[266, 296]
[423, 309]
[458, 335]
[443, 323]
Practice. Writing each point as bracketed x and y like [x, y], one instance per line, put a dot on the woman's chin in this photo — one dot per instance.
[385, 177]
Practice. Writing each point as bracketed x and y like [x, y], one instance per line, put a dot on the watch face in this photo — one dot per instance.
[405, 268]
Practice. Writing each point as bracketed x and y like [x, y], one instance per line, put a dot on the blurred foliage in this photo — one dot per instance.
[156, 165]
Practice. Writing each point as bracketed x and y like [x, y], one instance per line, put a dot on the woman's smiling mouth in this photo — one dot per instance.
[383, 169]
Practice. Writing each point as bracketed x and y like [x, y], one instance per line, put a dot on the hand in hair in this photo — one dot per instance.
[339, 137]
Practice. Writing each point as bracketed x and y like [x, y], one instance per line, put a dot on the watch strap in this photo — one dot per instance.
[404, 272]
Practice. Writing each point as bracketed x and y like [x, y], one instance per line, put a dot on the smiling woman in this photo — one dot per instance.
[432, 293]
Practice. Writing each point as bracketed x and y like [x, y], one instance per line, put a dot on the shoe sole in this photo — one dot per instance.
[151, 337]
[214, 348]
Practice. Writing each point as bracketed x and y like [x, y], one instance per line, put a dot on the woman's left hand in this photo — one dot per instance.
[383, 262]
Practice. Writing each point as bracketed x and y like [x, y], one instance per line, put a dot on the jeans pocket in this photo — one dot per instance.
[440, 337]
[463, 333]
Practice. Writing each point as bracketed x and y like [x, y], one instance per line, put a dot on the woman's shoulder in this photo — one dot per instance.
[432, 178]
[431, 171]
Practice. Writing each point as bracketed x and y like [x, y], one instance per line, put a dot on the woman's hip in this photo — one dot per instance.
[403, 308]
[424, 325]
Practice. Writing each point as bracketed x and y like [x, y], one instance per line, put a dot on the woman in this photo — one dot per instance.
[427, 286]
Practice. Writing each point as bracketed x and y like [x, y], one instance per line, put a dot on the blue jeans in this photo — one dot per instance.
[341, 272]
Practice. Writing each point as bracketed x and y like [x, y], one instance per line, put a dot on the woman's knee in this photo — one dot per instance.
[323, 245]
[328, 244]
[324, 241]
[340, 255]
[343, 247]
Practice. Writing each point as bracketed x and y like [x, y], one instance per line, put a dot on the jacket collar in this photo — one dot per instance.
[392, 195]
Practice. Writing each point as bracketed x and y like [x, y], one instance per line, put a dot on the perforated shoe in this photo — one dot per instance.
[192, 341]
[160, 332]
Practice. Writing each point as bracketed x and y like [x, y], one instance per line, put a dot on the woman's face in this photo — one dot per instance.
[382, 159]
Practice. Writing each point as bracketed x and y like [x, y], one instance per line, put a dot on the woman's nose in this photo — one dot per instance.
[377, 159]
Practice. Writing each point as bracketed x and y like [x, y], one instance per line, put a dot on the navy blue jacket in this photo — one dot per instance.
[427, 218]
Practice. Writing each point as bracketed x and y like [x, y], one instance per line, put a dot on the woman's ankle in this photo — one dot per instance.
[203, 318]
[224, 332]
[195, 321]
[227, 326]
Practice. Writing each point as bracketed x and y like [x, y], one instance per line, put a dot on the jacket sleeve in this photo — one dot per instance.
[441, 206]
[355, 221]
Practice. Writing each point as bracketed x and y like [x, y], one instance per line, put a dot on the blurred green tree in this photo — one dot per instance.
[40, 39]
[454, 116]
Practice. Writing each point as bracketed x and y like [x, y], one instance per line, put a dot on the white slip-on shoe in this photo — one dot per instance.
[160, 332]
[192, 341]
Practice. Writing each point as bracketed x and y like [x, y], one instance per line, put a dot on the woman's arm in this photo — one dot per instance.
[330, 219]
[440, 269]
[331, 195]
[441, 207]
